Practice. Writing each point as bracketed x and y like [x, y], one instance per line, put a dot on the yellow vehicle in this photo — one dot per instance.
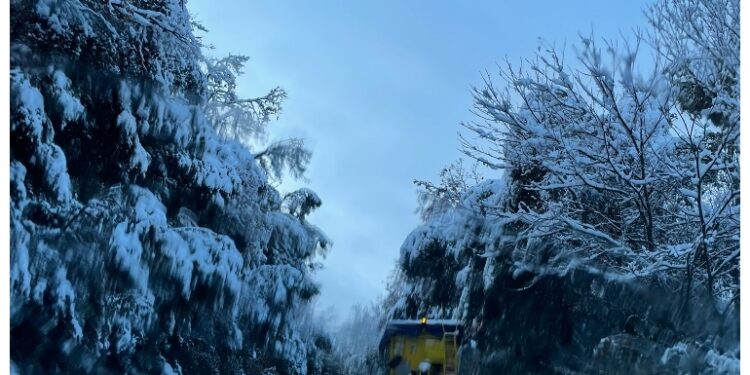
[421, 347]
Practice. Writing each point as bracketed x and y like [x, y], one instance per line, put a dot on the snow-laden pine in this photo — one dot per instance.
[145, 234]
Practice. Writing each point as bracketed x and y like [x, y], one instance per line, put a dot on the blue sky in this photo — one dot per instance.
[378, 89]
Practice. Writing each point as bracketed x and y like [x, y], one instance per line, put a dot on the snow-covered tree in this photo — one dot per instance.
[700, 41]
[595, 141]
[625, 168]
[611, 240]
[145, 234]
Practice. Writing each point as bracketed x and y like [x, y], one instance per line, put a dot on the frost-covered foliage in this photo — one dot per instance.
[233, 116]
[612, 237]
[145, 235]
[245, 119]
[289, 156]
[455, 180]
